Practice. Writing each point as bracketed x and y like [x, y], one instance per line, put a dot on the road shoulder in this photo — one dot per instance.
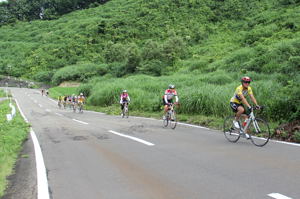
[22, 184]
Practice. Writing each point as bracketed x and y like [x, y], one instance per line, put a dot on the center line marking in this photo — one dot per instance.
[59, 114]
[80, 121]
[132, 138]
[278, 196]
[40, 105]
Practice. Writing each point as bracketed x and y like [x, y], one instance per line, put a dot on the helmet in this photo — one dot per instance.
[246, 79]
[171, 86]
[124, 91]
[81, 93]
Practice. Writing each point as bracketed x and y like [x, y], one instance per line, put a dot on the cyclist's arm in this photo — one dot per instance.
[128, 98]
[176, 98]
[253, 99]
[244, 100]
[166, 99]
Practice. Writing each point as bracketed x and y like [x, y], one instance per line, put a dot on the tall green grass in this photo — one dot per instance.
[55, 92]
[12, 135]
[205, 94]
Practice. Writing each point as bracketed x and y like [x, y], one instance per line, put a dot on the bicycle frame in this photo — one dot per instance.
[251, 118]
[170, 111]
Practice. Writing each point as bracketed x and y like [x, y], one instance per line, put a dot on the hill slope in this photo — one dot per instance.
[210, 43]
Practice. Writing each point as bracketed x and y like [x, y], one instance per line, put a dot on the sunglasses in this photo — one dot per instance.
[246, 82]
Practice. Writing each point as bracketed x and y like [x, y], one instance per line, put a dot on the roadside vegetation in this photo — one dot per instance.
[201, 46]
[2, 93]
[12, 135]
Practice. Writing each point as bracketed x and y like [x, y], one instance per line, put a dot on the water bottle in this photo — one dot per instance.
[245, 122]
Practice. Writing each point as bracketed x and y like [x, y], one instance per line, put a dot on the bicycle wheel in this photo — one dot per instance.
[126, 112]
[173, 120]
[166, 120]
[259, 132]
[80, 108]
[232, 134]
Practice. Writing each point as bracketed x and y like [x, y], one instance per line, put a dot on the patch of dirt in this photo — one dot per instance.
[286, 131]
[70, 84]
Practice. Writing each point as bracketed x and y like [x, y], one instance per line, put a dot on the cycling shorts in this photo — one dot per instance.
[234, 106]
[169, 101]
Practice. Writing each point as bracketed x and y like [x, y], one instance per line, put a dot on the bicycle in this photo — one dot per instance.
[170, 117]
[80, 107]
[257, 129]
[59, 104]
[74, 106]
[125, 111]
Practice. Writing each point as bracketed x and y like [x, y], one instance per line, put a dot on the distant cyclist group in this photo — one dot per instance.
[72, 102]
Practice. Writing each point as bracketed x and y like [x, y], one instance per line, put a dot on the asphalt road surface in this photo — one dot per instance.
[93, 155]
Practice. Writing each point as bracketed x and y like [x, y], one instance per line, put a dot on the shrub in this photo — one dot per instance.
[79, 72]
[85, 89]
[152, 67]
[43, 76]
[296, 136]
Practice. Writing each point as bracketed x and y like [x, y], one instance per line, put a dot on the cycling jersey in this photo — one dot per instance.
[124, 98]
[169, 94]
[81, 99]
[238, 91]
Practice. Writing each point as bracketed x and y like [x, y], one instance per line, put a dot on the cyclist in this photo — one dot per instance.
[65, 101]
[238, 100]
[60, 99]
[81, 99]
[124, 98]
[170, 93]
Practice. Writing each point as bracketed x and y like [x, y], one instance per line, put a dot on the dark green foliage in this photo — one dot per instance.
[80, 72]
[43, 76]
[85, 89]
[285, 105]
[29, 10]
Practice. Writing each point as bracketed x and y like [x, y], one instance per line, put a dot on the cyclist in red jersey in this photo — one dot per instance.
[170, 93]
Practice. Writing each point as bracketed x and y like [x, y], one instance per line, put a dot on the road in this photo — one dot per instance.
[93, 155]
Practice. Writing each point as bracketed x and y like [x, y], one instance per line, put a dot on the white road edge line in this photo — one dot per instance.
[80, 121]
[195, 126]
[53, 100]
[21, 112]
[40, 105]
[289, 143]
[278, 196]
[59, 114]
[42, 182]
[132, 138]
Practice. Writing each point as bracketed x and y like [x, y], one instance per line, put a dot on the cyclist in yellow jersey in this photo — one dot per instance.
[239, 98]
[81, 98]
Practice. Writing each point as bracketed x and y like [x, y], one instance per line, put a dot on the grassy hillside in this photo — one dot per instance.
[202, 46]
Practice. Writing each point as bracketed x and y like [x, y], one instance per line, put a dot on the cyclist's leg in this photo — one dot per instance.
[240, 111]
